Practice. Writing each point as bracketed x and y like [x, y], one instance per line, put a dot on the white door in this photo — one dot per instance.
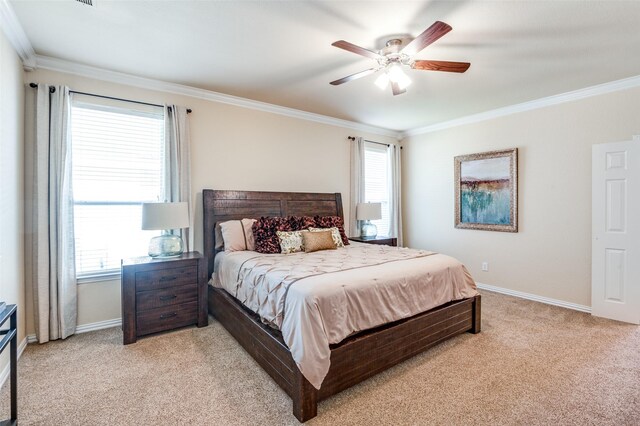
[615, 275]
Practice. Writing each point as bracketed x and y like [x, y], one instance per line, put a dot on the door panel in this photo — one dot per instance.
[615, 266]
[615, 288]
[616, 205]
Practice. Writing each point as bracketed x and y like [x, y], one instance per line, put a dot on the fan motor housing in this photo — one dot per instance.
[391, 52]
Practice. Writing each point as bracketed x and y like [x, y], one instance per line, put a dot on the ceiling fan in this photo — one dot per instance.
[393, 57]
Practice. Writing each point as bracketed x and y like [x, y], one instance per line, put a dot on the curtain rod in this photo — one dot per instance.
[353, 138]
[52, 89]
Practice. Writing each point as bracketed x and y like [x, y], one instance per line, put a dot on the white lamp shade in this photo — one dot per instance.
[165, 216]
[369, 211]
[398, 76]
[382, 81]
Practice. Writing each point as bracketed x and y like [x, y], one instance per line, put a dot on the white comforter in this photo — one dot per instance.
[318, 299]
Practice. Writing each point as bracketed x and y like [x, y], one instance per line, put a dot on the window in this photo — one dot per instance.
[376, 182]
[117, 157]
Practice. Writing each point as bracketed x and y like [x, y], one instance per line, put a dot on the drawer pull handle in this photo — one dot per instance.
[165, 316]
[168, 278]
[163, 298]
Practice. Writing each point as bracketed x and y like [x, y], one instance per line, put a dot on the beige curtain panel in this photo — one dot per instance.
[49, 240]
[357, 183]
[177, 166]
[395, 192]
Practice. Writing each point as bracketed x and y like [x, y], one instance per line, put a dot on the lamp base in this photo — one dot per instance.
[167, 245]
[368, 229]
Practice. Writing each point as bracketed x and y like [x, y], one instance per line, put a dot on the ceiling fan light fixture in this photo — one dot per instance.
[396, 75]
[395, 55]
[382, 81]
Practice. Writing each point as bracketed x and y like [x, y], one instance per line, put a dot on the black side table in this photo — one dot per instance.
[10, 336]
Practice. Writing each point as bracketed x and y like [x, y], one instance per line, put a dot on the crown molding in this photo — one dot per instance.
[587, 92]
[60, 65]
[16, 35]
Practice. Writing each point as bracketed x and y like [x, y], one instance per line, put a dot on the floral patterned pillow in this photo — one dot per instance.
[264, 233]
[291, 241]
[298, 223]
[335, 235]
[330, 222]
[265, 228]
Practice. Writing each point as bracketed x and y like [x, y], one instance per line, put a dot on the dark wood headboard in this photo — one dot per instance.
[220, 206]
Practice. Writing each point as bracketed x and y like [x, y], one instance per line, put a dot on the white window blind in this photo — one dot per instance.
[376, 182]
[117, 157]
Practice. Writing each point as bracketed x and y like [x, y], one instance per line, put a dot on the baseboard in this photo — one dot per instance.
[7, 369]
[535, 298]
[85, 328]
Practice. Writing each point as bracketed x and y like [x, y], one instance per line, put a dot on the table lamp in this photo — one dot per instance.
[165, 217]
[368, 212]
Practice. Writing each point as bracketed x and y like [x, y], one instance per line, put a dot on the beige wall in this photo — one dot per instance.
[11, 184]
[232, 148]
[550, 256]
[237, 148]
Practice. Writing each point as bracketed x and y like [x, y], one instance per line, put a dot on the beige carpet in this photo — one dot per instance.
[532, 364]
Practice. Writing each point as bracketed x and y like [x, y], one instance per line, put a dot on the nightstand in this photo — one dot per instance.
[163, 294]
[385, 241]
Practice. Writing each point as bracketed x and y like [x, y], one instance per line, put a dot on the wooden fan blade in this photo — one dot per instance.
[441, 66]
[396, 89]
[356, 49]
[354, 76]
[428, 36]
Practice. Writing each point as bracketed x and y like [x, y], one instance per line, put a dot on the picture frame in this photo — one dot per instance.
[486, 191]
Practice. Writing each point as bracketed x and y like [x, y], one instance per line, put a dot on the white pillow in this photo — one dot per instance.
[247, 224]
[290, 241]
[238, 235]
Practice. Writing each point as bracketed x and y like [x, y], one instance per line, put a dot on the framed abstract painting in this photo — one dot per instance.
[486, 190]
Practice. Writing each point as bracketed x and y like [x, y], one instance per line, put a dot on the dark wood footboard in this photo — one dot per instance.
[266, 346]
[373, 351]
[352, 361]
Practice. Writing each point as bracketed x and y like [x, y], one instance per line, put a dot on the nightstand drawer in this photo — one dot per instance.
[167, 318]
[152, 299]
[163, 278]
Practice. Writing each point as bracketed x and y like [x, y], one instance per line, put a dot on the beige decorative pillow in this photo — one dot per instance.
[319, 240]
[237, 235]
[233, 235]
[248, 233]
[291, 241]
[335, 234]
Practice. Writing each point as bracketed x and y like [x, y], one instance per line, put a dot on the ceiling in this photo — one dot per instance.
[280, 51]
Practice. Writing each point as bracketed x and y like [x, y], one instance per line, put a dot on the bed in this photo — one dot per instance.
[352, 360]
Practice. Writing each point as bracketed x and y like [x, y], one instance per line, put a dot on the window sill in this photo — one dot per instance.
[87, 279]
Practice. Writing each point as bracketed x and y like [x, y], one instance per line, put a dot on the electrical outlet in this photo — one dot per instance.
[485, 266]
